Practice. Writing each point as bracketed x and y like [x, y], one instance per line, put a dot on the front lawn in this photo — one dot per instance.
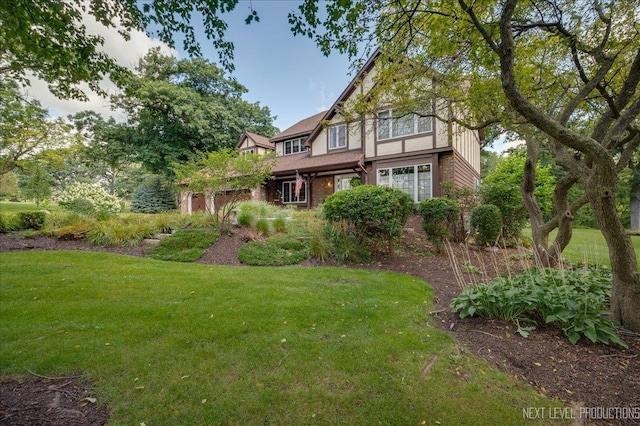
[169, 343]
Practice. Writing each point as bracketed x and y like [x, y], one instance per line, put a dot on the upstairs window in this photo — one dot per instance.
[394, 126]
[294, 146]
[338, 136]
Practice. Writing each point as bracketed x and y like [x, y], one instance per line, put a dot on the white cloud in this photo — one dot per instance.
[502, 144]
[126, 53]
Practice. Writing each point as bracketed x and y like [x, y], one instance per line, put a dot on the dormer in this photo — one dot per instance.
[254, 143]
[293, 140]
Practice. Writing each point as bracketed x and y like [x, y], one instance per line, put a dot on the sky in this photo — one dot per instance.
[281, 71]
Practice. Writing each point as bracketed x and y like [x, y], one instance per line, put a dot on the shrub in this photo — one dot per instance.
[153, 196]
[439, 216]
[262, 225]
[279, 224]
[372, 211]
[31, 220]
[99, 199]
[487, 222]
[118, 233]
[278, 250]
[245, 218]
[80, 206]
[575, 300]
[186, 245]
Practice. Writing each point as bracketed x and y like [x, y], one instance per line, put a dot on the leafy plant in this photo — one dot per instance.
[575, 300]
[370, 211]
[99, 199]
[262, 225]
[438, 219]
[31, 220]
[487, 222]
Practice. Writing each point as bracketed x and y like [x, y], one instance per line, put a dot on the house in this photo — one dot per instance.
[414, 153]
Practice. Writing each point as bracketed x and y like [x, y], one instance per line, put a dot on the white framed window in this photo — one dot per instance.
[343, 182]
[394, 126]
[294, 146]
[338, 136]
[289, 192]
[415, 180]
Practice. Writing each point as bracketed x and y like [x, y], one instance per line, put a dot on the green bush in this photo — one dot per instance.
[279, 224]
[80, 206]
[486, 220]
[372, 211]
[575, 300]
[278, 250]
[32, 220]
[99, 199]
[186, 245]
[439, 217]
[245, 218]
[263, 226]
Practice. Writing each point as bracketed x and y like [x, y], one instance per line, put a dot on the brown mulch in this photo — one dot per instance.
[593, 376]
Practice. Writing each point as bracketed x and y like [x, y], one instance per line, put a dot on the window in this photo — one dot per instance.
[294, 146]
[289, 194]
[338, 136]
[343, 182]
[414, 180]
[390, 126]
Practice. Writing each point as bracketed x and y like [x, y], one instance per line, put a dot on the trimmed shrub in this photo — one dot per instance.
[373, 211]
[487, 222]
[80, 206]
[439, 217]
[31, 220]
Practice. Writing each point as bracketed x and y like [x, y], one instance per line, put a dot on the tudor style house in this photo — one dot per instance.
[413, 153]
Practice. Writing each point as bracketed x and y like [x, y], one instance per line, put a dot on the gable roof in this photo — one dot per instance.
[258, 140]
[301, 128]
[367, 67]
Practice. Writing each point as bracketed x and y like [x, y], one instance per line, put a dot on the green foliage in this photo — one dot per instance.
[576, 300]
[263, 226]
[99, 199]
[36, 185]
[487, 222]
[202, 111]
[439, 216]
[245, 218]
[501, 187]
[80, 206]
[279, 224]
[278, 250]
[186, 245]
[32, 220]
[372, 211]
[153, 196]
[9, 222]
[114, 232]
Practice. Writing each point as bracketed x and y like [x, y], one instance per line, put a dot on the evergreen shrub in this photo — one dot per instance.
[439, 216]
[486, 220]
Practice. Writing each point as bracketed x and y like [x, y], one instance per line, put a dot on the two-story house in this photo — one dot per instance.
[413, 153]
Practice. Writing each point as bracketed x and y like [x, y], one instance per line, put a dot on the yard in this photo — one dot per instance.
[168, 343]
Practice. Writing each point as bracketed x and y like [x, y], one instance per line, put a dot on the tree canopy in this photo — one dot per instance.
[179, 108]
[51, 39]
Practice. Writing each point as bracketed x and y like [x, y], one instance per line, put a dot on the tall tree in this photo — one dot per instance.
[25, 129]
[567, 68]
[179, 108]
[50, 38]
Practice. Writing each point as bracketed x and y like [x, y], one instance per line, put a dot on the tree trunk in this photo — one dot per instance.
[634, 204]
[625, 289]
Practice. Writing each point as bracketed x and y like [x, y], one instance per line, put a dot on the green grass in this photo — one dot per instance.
[278, 250]
[10, 206]
[588, 246]
[171, 343]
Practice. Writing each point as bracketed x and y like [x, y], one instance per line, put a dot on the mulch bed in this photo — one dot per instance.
[593, 376]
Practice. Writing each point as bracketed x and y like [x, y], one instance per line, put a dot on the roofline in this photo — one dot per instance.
[346, 92]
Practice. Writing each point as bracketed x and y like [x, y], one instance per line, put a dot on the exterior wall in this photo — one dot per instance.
[279, 148]
[467, 143]
[321, 188]
[455, 168]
